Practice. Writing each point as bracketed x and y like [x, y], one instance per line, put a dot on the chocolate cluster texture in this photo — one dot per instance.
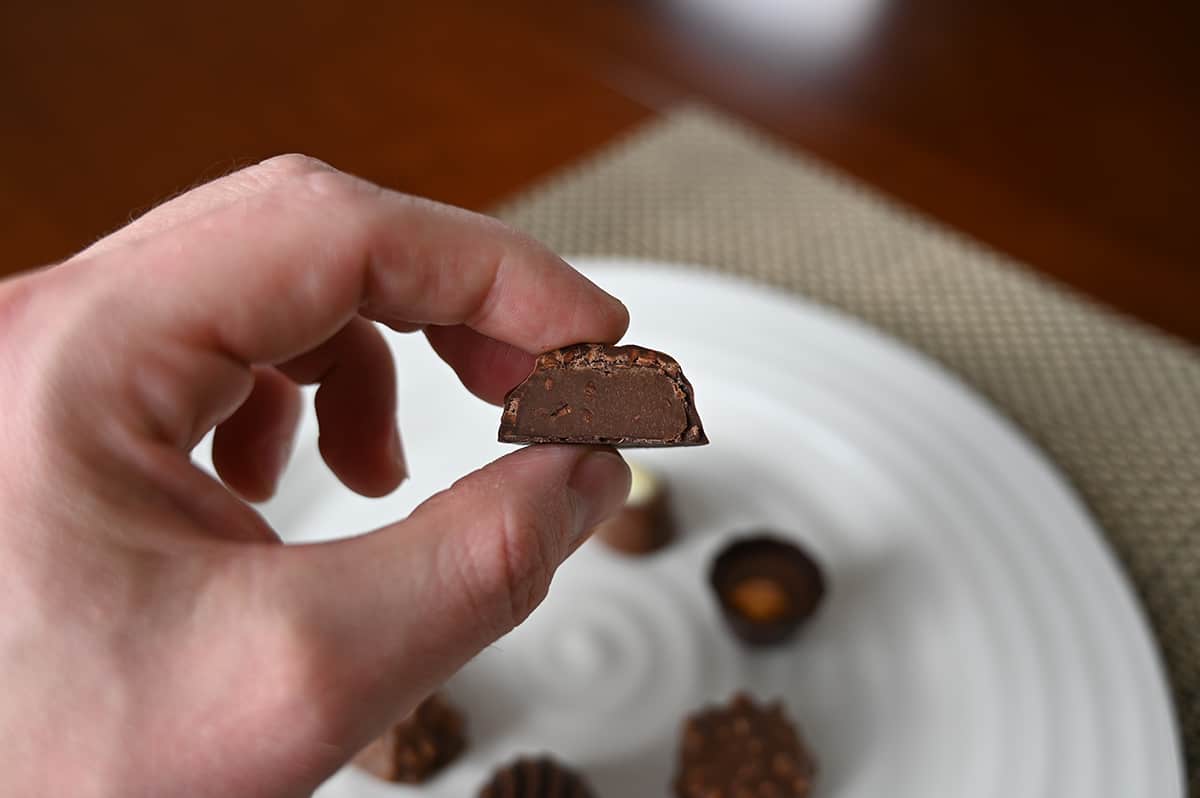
[536, 778]
[599, 394]
[767, 587]
[418, 746]
[743, 750]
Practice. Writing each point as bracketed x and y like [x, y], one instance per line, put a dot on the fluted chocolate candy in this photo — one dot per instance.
[535, 778]
[743, 750]
[600, 394]
[418, 746]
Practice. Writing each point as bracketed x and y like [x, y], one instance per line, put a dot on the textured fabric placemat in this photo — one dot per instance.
[1115, 404]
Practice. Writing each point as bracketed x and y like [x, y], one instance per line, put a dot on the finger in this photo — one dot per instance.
[487, 367]
[251, 447]
[306, 256]
[356, 407]
[477, 558]
[211, 196]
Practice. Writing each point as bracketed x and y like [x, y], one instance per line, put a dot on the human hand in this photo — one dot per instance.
[155, 638]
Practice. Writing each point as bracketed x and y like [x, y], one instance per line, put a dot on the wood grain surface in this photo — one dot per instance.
[1066, 134]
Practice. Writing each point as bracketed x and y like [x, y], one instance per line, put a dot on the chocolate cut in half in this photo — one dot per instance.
[645, 523]
[767, 587]
[743, 749]
[418, 746]
[543, 777]
[599, 394]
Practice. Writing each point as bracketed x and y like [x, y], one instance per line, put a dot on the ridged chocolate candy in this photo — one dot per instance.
[536, 778]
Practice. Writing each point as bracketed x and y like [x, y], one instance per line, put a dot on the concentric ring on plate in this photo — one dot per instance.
[978, 640]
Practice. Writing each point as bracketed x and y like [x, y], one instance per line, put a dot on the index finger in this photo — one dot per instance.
[275, 274]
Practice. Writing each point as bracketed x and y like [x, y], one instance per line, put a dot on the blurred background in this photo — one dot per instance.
[1064, 133]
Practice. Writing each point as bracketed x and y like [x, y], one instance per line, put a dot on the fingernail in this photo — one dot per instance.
[280, 453]
[600, 482]
[396, 452]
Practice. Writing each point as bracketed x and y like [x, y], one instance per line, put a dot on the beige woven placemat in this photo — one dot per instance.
[1116, 404]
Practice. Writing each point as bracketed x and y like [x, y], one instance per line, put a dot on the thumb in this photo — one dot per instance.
[492, 542]
[404, 607]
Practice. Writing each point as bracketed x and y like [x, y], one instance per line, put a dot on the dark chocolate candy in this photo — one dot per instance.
[535, 778]
[743, 750]
[766, 587]
[418, 746]
[645, 523]
[599, 394]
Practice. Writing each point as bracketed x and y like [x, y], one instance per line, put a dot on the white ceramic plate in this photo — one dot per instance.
[978, 641]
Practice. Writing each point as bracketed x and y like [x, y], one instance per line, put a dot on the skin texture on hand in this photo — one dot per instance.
[156, 639]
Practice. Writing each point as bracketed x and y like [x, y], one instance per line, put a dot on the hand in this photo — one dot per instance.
[155, 638]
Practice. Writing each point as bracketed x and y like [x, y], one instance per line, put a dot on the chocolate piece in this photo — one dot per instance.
[600, 394]
[418, 746]
[743, 750]
[536, 778]
[766, 587]
[645, 522]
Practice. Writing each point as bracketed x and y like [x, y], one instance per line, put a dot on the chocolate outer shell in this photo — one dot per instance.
[536, 778]
[626, 396]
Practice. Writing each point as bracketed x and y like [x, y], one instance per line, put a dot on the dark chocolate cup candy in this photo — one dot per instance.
[766, 587]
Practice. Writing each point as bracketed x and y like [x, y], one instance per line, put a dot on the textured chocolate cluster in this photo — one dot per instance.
[743, 751]
[418, 746]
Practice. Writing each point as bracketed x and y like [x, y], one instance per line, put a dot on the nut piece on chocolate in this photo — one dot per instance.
[743, 750]
[767, 587]
[536, 778]
[599, 394]
[645, 523]
[418, 746]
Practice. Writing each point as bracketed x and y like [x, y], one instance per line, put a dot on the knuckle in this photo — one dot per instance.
[509, 566]
[292, 165]
[338, 187]
[527, 556]
[307, 677]
[13, 301]
[273, 174]
[527, 568]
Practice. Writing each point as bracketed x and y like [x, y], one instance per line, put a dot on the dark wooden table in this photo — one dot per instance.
[1067, 134]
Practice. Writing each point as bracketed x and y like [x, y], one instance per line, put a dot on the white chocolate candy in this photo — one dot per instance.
[644, 487]
[645, 523]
